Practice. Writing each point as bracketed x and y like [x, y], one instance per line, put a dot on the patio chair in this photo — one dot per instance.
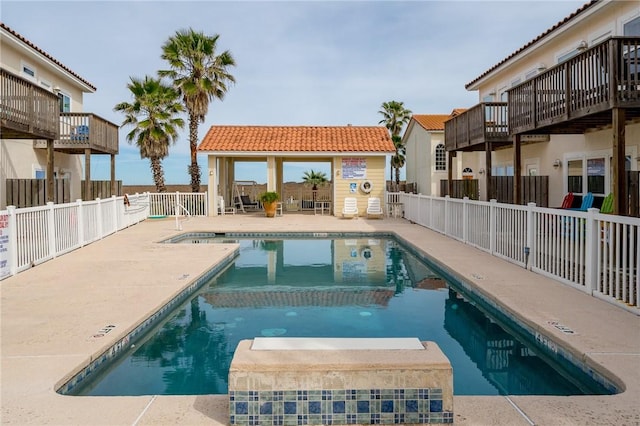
[607, 204]
[587, 203]
[350, 208]
[567, 201]
[244, 202]
[374, 208]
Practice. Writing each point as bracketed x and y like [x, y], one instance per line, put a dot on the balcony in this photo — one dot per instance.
[80, 131]
[27, 111]
[580, 93]
[484, 122]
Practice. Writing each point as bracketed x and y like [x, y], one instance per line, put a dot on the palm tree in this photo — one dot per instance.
[314, 179]
[200, 75]
[395, 116]
[398, 159]
[153, 117]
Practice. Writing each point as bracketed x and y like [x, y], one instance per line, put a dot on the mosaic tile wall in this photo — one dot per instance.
[337, 407]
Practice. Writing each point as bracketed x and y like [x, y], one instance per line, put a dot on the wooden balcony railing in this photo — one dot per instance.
[603, 77]
[27, 111]
[80, 131]
[485, 122]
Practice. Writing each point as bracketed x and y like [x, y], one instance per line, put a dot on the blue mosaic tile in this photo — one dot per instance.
[290, 407]
[315, 407]
[411, 406]
[363, 406]
[266, 408]
[241, 408]
[435, 406]
[338, 406]
[387, 406]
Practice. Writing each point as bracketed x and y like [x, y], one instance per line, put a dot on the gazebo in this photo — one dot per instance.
[357, 155]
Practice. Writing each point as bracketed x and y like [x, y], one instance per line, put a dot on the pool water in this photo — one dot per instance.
[358, 287]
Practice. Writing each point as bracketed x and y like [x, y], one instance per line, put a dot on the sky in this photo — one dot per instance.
[322, 63]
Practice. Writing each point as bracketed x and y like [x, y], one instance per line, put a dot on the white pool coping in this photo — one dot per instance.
[335, 343]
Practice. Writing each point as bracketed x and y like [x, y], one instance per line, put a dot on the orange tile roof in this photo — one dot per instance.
[374, 139]
[431, 121]
[45, 54]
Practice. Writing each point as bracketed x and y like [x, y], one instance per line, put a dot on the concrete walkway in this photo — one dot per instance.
[51, 313]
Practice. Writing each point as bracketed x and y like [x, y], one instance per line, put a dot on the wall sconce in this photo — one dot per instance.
[582, 46]
[541, 67]
[481, 171]
[557, 163]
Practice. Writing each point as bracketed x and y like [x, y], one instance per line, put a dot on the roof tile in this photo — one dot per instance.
[297, 139]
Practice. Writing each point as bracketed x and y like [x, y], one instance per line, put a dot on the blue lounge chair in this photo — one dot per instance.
[587, 203]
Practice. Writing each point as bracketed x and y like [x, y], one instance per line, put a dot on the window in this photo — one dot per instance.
[441, 158]
[632, 28]
[530, 74]
[65, 102]
[28, 71]
[595, 175]
[515, 82]
[40, 174]
[45, 84]
[574, 176]
[568, 55]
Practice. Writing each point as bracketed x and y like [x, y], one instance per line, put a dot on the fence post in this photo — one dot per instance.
[80, 222]
[206, 204]
[51, 229]
[492, 225]
[591, 241]
[115, 213]
[530, 240]
[446, 215]
[12, 229]
[99, 218]
[465, 219]
[429, 222]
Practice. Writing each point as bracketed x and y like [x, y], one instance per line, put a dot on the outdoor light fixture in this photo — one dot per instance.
[481, 171]
[541, 67]
[582, 46]
[557, 163]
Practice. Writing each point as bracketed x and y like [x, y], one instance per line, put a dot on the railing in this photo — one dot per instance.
[596, 253]
[27, 110]
[167, 203]
[304, 197]
[32, 235]
[484, 122]
[80, 131]
[604, 76]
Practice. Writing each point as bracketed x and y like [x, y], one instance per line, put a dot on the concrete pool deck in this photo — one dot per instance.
[52, 315]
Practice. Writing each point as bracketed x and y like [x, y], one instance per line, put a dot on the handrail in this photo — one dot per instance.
[187, 216]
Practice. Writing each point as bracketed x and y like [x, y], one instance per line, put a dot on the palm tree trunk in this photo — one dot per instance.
[397, 179]
[158, 174]
[194, 169]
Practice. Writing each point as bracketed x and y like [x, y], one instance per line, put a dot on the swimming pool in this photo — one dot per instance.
[344, 287]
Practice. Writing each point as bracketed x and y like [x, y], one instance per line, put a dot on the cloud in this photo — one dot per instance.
[298, 63]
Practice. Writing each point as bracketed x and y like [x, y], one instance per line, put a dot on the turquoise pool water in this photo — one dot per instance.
[344, 287]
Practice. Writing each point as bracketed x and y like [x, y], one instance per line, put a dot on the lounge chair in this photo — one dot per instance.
[607, 204]
[350, 208]
[567, 201]
[244, 202]
[587, 203]
[374, 208]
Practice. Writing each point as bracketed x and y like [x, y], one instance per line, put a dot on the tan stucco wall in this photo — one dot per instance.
[421, 162]
[18, 158]
[606, 21]
[541, 156]
[374, 173]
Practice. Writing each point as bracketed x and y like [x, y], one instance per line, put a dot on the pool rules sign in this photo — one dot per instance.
[4, 245]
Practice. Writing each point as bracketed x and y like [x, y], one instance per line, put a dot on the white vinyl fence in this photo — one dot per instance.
[596, 253]
[32, 235]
